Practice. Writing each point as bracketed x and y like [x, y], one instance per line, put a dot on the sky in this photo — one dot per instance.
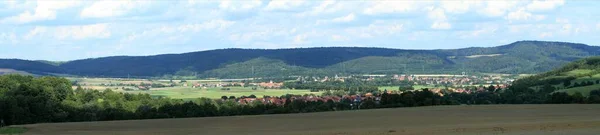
[65, 30]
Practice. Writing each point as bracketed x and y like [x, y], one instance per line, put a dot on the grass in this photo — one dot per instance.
[579, 72]
[189, 93]
[389, 88]
[12, 130]
[585, 90]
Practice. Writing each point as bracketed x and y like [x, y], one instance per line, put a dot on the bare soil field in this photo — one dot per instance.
[450, 120]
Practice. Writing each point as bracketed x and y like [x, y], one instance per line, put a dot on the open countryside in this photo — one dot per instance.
[299, 67]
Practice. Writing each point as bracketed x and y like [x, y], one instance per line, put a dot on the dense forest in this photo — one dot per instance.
[518, 57]
[26, 100]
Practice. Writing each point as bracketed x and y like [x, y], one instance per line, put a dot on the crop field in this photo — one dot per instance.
[445, 120]
[188, 93]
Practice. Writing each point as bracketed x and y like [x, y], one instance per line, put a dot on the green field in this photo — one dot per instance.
[577, 72]
[189, 93]
[389, 88]
[585, 90]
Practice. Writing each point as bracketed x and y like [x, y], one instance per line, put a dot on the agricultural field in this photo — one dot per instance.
[181, 90]
[435, 120]
[189, 93]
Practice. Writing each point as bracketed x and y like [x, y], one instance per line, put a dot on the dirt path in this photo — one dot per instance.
[453, 120]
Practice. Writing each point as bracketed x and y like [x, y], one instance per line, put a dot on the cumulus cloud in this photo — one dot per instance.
[76, 32]
[239, 6]
[171, 29]
[327, 6]
[539, 5]
[439, 17]
[391, 6]
[378, 28]
[441, 25]
[44, 10]
[284, 4]
[495, 8]
[459, 6]
[83, 31]
[480, 30]
[348, 18]
[110, 8]
[522, 15]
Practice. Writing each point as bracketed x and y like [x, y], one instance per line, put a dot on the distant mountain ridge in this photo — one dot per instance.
[517, 57]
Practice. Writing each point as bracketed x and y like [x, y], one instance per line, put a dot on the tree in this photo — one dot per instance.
[560, 98]
[547, 88]
[491, 88]
[578, 98]
[567, 83]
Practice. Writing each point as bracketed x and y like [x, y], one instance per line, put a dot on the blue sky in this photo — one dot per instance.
[67, 30]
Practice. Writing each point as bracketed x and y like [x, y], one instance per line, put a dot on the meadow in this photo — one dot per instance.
[434, 120]
[183, 92]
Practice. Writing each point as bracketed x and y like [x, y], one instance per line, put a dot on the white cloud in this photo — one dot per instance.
[480, 30]
[76, 32]
[378, 28]
[300, 38]
[459, 6]
[171, 29]
[347, 18]
[44, 10]
[522, 15]
[538, 5]
[35, 32]
[441, 25]
[598, 26]
[110, 8]
[284, 4]
[238, 5]
[83, 31]
[213, 24]
[342, 19]
[326, 6]
[437, 14]
[496, 8]
[439, 17]
[390, 6]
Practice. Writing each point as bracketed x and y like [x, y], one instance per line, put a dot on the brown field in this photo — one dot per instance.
[452, 120]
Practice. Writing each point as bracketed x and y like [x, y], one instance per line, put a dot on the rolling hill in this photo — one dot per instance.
[518, 57]
[580, 76]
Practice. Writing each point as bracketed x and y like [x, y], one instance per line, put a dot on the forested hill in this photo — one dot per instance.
[518, 57]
